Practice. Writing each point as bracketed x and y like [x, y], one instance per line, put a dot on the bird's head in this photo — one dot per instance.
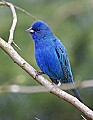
[40, 31]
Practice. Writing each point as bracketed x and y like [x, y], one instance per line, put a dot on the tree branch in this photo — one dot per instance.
[29, 14]
[40, 79]
[13, 24]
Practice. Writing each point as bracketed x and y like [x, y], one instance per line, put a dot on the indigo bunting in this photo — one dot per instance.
[51, 56]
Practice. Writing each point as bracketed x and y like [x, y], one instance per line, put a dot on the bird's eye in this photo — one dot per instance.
[38, 30]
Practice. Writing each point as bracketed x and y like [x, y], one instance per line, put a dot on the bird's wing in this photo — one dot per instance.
[64, 62]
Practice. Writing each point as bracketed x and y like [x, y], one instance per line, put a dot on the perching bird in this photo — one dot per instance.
[50, 55]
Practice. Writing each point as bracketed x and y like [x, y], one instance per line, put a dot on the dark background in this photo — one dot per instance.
[72, 22]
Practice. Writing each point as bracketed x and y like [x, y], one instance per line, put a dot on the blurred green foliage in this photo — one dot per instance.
[72, 22]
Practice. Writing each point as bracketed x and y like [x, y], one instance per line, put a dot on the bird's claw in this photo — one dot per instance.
[57, 85]
[38, 73]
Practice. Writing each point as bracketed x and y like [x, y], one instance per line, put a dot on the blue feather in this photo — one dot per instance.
[51, 55]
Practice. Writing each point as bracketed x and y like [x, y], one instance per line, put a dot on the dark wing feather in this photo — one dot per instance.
[64, 62]
[65, 65]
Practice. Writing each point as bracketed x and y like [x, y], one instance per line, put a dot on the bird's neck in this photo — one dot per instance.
[42, 44]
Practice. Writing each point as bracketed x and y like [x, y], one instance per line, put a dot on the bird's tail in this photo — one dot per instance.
[76, 94]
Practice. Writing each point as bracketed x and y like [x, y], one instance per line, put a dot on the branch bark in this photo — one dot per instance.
[40, 79]
[13, 24]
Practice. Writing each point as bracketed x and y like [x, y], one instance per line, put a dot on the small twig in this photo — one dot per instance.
[25, 12]
[16, 45]
[11, 35]
[83, 117]
[17, 7]
[14, 22]
[12, 7]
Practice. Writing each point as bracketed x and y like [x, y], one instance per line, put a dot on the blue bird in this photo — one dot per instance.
[51, 56]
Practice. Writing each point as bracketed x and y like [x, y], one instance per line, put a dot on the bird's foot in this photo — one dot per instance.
[38, 73]
[59, 84]
[53, 84]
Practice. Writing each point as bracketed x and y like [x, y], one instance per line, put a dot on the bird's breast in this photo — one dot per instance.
[48, 61]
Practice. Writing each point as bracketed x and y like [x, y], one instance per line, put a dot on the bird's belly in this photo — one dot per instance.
[48, 63]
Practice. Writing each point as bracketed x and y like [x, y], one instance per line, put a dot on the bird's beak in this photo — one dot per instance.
[30, 30]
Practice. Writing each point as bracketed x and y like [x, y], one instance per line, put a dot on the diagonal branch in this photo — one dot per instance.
[40, 79]
[32, 72]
